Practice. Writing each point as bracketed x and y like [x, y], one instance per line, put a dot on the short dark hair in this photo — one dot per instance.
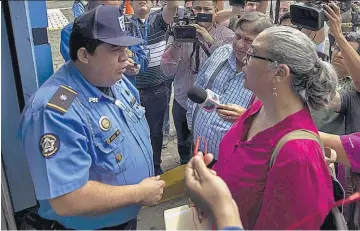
[259, 21]
[77, 41]
[285, 16]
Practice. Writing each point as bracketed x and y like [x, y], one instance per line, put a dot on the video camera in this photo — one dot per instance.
[310, 14]
[182, 31]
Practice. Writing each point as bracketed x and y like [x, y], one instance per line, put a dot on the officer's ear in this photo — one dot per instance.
[83, 55]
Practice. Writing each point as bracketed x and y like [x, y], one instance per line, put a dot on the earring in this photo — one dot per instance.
[274, 92]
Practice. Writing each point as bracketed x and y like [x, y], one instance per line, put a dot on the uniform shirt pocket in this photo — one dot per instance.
[110, 156]
[139, 111]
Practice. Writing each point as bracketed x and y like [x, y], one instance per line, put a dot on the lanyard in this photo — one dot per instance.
[145, 37]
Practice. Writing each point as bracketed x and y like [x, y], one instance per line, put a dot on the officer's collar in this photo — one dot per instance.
[89, 90]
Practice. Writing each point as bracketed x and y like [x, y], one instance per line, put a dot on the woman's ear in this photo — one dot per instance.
[283, 73]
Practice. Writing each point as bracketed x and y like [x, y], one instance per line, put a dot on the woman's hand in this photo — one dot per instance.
[210, 193]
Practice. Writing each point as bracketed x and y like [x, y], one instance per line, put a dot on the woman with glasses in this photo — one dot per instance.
[287, 76]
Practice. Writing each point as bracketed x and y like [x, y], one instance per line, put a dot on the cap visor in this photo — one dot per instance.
[123, 41]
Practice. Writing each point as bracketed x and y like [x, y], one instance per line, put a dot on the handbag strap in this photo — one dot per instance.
[208, 85]
[300, 134]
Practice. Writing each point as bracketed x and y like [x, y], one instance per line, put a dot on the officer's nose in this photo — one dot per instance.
[123, 56]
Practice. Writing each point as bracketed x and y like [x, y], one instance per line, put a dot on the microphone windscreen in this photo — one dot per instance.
[197, 94]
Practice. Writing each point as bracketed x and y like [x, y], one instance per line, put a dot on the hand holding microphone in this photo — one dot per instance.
[210, 101]
[207, 99]
[230, 112]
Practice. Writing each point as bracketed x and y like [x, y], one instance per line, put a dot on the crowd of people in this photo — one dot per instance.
[286, 128]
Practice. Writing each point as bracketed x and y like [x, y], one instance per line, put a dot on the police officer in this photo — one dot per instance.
[85, 135]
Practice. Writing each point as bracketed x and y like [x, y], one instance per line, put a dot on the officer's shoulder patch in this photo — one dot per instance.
[62, 99]
[49, 145]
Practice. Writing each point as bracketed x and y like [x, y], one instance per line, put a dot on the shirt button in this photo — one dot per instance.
[118, 157]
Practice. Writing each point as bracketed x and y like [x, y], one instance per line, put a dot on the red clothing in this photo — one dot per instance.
[298, 185]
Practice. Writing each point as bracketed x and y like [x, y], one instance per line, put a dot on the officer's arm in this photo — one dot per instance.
[169, 11]
[60, 165]
[96, 198]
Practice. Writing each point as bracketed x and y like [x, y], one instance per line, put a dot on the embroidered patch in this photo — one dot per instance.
[49, 145]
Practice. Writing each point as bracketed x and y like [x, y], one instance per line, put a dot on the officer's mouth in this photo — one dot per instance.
[122, 70]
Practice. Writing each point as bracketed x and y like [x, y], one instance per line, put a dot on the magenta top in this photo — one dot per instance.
[298, 185]
[351, 145]
[350, 182]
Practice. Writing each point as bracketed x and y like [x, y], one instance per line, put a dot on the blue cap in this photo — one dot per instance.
[107, 24]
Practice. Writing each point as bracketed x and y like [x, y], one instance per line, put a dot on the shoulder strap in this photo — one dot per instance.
[208, 85]
[216, 72]
[300, 134]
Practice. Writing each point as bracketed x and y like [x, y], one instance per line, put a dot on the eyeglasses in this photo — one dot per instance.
[249, 55]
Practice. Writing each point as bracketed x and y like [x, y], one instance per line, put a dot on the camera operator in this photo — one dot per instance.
[180, 60]
[327, 120]
[348, 102]
[224, 68]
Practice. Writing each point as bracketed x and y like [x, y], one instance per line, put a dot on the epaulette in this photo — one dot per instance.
[62, 99]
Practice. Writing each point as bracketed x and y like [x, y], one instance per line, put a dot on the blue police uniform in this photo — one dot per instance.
[72, 133]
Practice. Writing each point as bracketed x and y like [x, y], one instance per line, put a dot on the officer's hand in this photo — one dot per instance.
[132, 68]
[332, 12]
[230, 112]
[151, 190]
[204, 34]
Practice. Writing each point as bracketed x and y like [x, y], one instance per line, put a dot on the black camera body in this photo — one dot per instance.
[310, 14]
[182, 31]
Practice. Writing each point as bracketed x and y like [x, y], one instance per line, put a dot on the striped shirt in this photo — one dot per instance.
[178, 61]
[229, 85]
[156, 44]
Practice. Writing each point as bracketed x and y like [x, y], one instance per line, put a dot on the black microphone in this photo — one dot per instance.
[206, 99]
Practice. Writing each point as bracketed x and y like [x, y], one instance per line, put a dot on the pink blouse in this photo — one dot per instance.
[350, 177]
[298, 185]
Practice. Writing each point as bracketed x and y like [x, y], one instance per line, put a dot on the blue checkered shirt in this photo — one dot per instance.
[229, 85]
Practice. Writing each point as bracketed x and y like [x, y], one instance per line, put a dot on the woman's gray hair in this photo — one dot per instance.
[314, 80]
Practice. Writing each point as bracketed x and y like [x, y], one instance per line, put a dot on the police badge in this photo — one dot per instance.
[122, 22]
